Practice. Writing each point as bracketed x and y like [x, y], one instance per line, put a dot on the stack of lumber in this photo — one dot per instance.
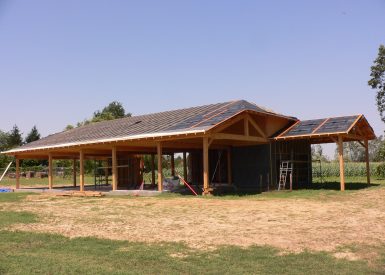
[80, 194]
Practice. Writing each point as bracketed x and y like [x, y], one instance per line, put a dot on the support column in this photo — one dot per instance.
[152, 169]
[160, 172]
[74, 172]
[114, 169]
[81, 165]
[341, 160]
[206, 183]
[173, 165]
[367, 160]
[50, 171]
[229, 171]
[17, 173]
[185, 166]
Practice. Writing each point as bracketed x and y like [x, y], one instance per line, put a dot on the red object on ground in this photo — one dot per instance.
[188, 185]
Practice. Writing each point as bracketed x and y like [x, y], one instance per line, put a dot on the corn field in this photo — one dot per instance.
[352, 169]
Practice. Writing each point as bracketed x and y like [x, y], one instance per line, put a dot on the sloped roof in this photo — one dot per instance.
[322, 129]
[191, 120]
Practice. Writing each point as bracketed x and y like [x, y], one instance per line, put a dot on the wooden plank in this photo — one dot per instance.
[246, 126]
[240, 138]
[81, 172]
[152, 169]
[114, 169]
[341, 160]
[17, 173]
[50, 171]
[367, 161]
[319, 126]
[74, 172]
[185, 165]
[160, 172]
[229, 167]
[206, 183]
[256, 126]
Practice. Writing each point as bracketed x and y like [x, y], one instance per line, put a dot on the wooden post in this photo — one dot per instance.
[367, 160]
[50, 171]
[152, 169]
[160, 172]
[185, 166]
[74, 172]
[114, 169]
[206, 183]
[229, 172]
[341, 159]
[246, 126]
[172, 165]
[17, 173]
[81, 165]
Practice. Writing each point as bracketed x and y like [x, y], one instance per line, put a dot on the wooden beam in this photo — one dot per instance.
[206, 183]
[240, 138]
[114, 169]
[229, 167]
[160, 172]
[50, 171]
[367, 161]
[74, 172]
[185, 166]
[341, 160]
[152, 169]
[17, 173]
[256, 127]
[246, 126]
[172, 165]
[81, 172]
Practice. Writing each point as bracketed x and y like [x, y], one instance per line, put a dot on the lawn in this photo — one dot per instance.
[312, 231]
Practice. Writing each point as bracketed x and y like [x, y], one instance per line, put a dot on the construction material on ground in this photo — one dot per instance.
[188, 185]
[5, 171]
[79, 194]
[6, 190]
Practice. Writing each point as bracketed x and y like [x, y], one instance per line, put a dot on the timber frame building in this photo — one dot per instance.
[236, 143]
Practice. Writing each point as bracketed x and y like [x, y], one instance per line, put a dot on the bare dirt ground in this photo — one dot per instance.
[319, 224]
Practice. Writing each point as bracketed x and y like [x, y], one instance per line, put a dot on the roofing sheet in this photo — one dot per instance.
[183, 120]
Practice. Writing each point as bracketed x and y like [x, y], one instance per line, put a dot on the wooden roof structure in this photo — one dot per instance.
[216, 126]
[327, 130]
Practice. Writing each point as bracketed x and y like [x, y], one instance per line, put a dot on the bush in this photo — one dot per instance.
[381, 170]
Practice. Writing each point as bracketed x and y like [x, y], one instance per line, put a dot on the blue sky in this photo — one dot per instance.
[62, 60]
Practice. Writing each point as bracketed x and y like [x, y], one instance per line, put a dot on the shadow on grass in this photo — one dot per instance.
[337, 186]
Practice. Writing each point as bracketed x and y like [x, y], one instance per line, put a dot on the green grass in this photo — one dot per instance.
[37, 182]
[9, 217]
[26, 253]
[13, 197]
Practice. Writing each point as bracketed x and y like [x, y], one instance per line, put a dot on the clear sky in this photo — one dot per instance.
[62, 60]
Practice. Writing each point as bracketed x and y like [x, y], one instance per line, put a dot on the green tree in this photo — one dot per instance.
[33, 135]
[114, 110]
[4, 160]
[14, 138]
[378, 80]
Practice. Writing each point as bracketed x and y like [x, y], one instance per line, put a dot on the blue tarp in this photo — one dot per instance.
[5, 190]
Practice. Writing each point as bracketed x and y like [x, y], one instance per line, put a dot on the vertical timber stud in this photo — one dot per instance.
[50, 171]
[81, 165]
[173, 165]
[17, 173]
[152, 169]
[185, 166]
[341, 159]
[367, 160]
[114, 169]
[74, 172]
[160, 172]
[229, 172]
[206, 184]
